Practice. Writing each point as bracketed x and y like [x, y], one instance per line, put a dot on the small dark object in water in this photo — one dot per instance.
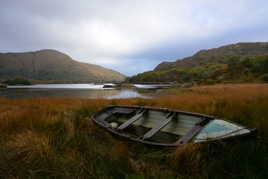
[108, 86]
[164, 127]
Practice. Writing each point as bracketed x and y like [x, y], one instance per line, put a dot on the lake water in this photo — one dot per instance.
[74, 91]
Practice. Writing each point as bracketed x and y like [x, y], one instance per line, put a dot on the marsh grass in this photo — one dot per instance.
[55, 138]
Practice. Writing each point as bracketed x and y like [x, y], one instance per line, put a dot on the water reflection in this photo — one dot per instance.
[127, 94]
[70, 93]
[151, 86]
[61, 86]
[75, 91]
[86, 86]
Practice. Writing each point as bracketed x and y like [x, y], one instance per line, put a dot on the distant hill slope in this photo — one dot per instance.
[241, 61]
[53, 65]
[218, 55]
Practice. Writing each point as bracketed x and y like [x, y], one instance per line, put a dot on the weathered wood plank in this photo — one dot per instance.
[131, 120]
[190, 135]
[153, 131]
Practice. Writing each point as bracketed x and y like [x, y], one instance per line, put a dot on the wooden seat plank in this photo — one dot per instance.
[131, 120]
[153, 131]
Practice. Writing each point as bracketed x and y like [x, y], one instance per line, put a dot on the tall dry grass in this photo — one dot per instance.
[55, 138]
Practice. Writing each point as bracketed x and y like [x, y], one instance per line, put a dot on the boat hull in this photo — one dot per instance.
[161, 126]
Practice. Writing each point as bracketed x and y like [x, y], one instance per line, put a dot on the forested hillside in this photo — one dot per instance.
[239, 62]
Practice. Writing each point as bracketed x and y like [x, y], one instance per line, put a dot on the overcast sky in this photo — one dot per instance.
[130, 36]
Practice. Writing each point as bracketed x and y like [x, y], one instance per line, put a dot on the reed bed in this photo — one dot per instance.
[55, 138]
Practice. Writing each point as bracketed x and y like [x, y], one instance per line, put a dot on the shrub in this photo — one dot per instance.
[265, 77]
[2, 85]
[18, 81]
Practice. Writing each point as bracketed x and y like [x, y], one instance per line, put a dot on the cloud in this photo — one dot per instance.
[129, 36]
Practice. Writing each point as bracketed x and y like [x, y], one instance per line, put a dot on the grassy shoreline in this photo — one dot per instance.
[55, 138]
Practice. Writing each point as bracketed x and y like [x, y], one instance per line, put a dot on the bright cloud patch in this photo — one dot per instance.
[129, 36]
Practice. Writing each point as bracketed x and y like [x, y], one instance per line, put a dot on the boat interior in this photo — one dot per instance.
[153, 125]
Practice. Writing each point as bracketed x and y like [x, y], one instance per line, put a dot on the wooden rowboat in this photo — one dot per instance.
[164, 127]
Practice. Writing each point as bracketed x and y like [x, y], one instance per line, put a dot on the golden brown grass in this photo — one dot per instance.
[30, 144]
[55, 138]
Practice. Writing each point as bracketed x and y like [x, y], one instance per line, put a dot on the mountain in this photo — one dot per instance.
[53, 65]
[217, 55]
[225, 63]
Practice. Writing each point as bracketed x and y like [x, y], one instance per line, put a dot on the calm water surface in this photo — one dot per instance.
[72, 91]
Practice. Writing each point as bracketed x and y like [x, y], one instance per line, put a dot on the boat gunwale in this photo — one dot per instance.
[178, 143]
